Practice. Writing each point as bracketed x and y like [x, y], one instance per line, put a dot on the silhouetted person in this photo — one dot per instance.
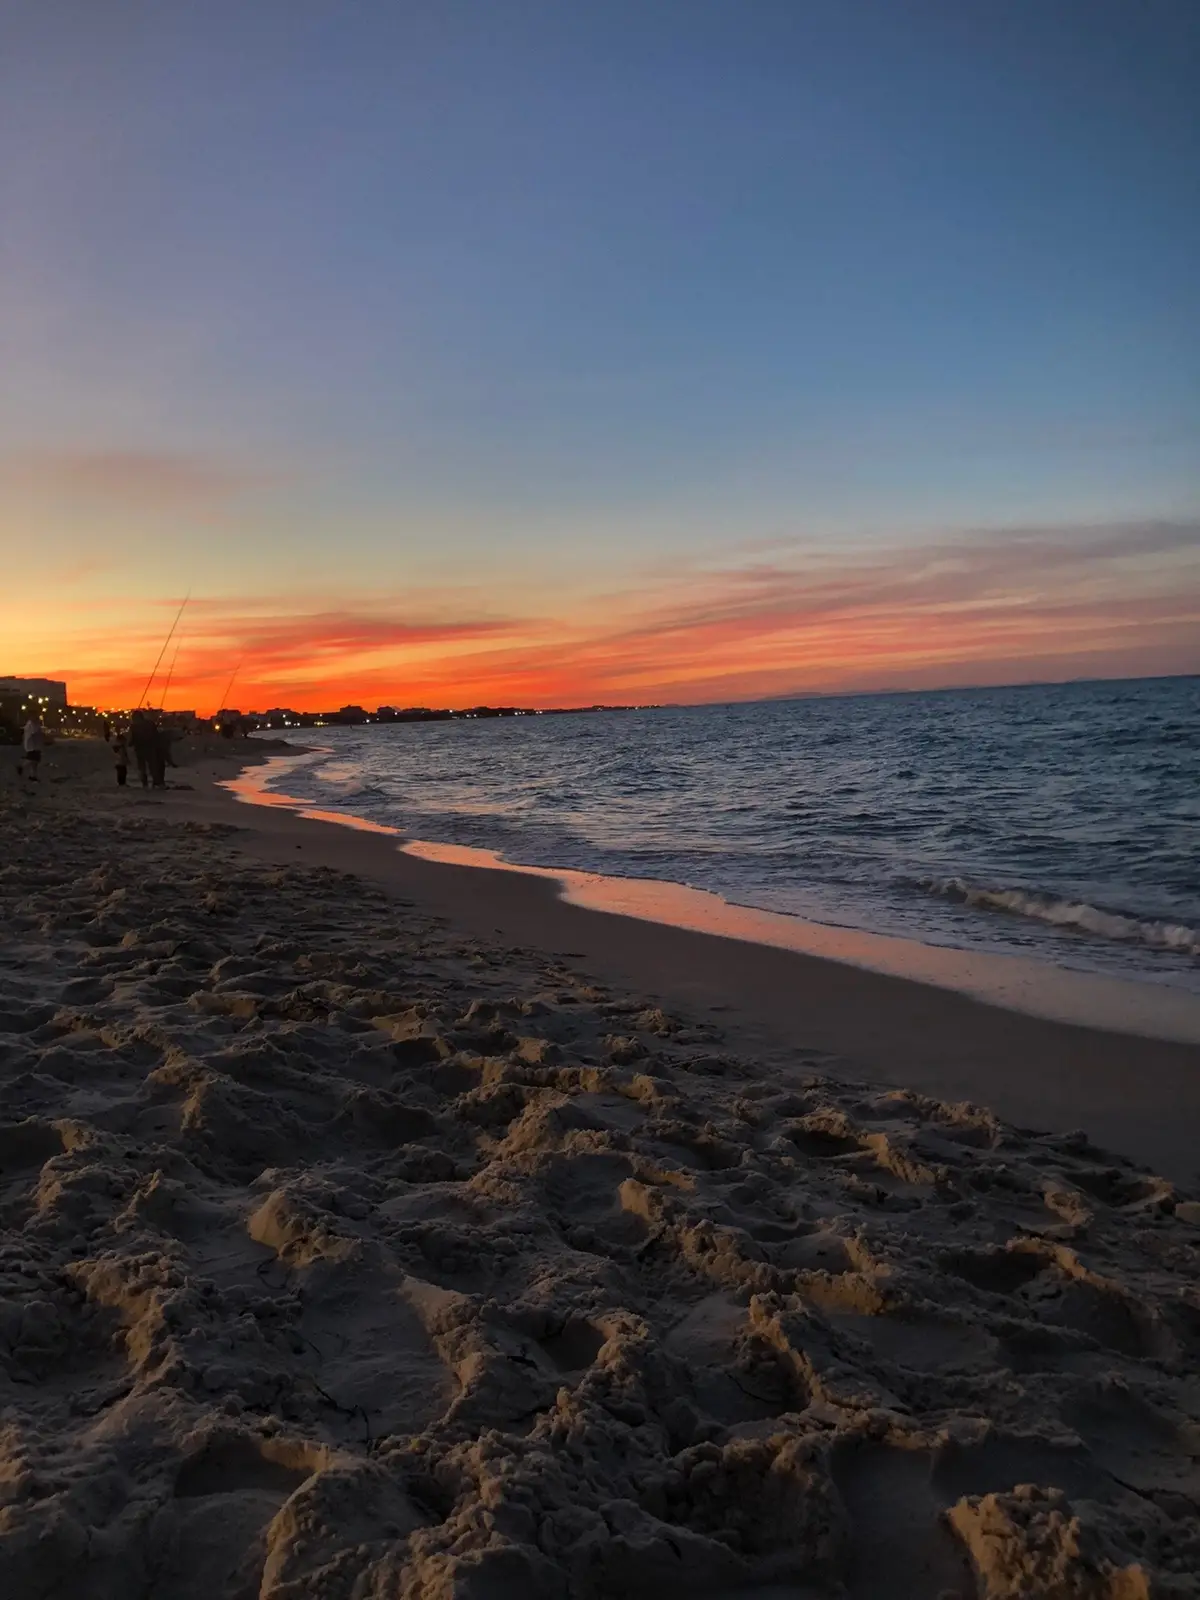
[162, 757]
[32, 744]
[142, 734]
[120, 750]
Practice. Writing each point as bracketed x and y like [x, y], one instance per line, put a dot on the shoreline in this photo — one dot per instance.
[1133, 1094]
[1023, 984]
[1138, 1095]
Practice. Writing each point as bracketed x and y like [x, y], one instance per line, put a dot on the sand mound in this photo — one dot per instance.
[339, 1257]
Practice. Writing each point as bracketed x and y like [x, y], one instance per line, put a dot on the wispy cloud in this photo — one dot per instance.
[127, 479]
[979, 606]
[970, 569]
[817, 622]
[315, 640]
[280, 652]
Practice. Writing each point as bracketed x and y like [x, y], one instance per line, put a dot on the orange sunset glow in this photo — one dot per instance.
[1048, 603]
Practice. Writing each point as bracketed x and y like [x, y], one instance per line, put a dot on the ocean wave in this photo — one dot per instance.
[1076, 914]
[344, 785]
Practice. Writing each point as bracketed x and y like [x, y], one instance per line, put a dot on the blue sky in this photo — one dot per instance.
[427, 296]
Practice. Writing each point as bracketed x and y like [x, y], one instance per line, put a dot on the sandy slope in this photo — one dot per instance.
[343, 1256]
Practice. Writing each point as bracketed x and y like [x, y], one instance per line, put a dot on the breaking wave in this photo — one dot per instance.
[1072, 914]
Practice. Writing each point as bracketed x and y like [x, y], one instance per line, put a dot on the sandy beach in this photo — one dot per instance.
[378, 1227]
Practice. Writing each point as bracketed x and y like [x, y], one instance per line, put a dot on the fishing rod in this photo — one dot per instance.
[170, 675]
[163, 651]
[224, 706]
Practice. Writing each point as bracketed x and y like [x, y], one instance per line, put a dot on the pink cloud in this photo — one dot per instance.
[128, 479]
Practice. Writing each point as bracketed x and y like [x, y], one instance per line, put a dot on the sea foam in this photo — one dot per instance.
[1077, 914]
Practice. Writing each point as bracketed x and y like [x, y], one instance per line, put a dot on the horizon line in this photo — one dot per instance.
[677, 705]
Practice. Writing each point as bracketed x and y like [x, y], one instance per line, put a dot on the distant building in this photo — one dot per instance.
[22, 698]
[44, 693]
[282, 717]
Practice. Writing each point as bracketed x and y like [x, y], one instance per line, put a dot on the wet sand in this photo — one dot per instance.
[415, 1234]
[1139, 1095]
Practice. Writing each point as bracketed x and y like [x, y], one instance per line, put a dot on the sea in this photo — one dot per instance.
[1054, 821]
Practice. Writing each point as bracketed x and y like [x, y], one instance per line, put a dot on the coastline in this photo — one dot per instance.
[370, 1224]
[1024, 984]
[1135, 1093]
[1132, 1092]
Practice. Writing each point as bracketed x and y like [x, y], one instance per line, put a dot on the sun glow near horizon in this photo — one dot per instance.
[1009, 605]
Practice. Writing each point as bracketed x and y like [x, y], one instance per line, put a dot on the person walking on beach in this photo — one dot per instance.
[163, 739]
[32, 745]
[120, 750]
[142, 738]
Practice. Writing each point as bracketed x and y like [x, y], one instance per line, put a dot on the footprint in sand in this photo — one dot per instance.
[225, 1497]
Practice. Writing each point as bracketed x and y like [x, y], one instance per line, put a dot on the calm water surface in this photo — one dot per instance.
[1056, 821]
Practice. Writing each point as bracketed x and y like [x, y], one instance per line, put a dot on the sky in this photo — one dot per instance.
[560, 353]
